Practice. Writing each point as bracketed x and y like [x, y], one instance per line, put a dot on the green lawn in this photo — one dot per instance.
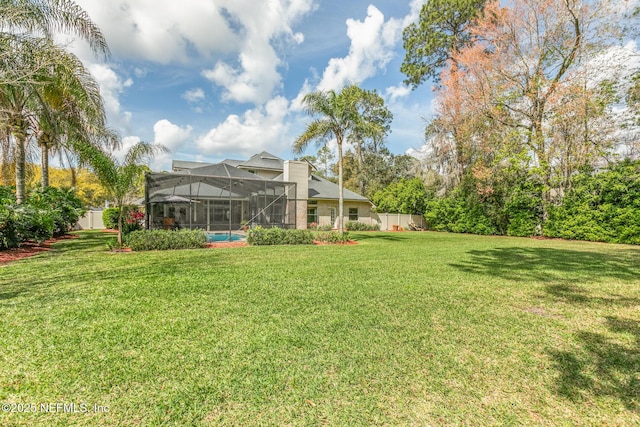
[401, 329]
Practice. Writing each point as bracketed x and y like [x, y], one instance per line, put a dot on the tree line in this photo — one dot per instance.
[531, 97]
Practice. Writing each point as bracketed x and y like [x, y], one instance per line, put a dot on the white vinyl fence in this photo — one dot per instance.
[92, 220]
[388, 220]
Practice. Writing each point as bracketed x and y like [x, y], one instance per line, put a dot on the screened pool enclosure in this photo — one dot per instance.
[229, 199]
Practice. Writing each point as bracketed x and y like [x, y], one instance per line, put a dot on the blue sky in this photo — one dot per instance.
[216, 79]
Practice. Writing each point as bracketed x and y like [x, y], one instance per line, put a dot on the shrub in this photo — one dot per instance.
[62, 206]
[458, 213]
[8, 232]
[278, 236]
[326, 227]
[523, 210]
[600, 206]
[148, 240]
[7, 196]
[44, 214]
[110, 218]
[332, 237]
[131, 217]
[407, 196]
[132, 221]
[33, 224]
[360, 226]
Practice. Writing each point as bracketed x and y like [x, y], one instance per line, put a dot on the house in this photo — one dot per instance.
[262, 190]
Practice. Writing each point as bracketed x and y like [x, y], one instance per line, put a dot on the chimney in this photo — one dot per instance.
[297, 171]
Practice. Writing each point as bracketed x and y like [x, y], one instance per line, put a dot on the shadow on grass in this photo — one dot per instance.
[393, 237]
[549, 265]
[86, 241]
[602, 366]
[605, 364]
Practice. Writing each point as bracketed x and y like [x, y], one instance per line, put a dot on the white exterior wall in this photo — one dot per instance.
[366, 215]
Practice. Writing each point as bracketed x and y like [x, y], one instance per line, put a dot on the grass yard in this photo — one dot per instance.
[401, 329]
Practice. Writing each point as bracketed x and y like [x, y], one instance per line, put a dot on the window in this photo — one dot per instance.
[353, 214]
[312, 215]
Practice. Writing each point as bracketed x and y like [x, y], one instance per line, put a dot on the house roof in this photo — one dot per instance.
[222, 169]
[183, 164]
[263, 160]
[321, 188]
[233, 162]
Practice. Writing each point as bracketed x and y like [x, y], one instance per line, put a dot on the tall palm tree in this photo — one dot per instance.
[27, 19]
[70, 106]
[342, 115]
[27, 56]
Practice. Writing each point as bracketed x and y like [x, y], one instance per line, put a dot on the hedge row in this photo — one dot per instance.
[279, 236]
[332, 237]
[43, 215]
[360, 226]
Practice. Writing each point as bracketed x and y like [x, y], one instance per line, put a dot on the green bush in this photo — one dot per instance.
[7, 196]
[8, 233]
[130, 218]
[459, 213]
[326, 227]
[33, 224]
[360, 226]
[62, 206]
[407, 196]
[110, 218]
[523, 210]
[332, 237]
[43, 215]
[149, 240]
[278, 236]
[600, 206]
[132, 221]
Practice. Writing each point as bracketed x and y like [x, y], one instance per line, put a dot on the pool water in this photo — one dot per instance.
[223, 237]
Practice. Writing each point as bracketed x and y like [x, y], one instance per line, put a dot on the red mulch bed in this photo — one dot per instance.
[28, 249]
[348, 242]
[226, 244]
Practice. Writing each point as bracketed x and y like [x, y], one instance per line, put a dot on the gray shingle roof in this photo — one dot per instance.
[183, 164]
[222, 169]
[321, 188]
[263, 160]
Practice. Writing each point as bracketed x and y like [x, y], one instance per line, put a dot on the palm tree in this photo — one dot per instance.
[70, 107]
[29, 19]
[120, 178]
[27, 57]
[351, 113]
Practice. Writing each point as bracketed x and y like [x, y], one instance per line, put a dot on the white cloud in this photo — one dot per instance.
[261, 128]
[296, 103]
[162, 31]
[111, 86]
[396, 92]
[194, 95]
[140, 72]
[372, 47]
[172, 137]
[255, 76]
